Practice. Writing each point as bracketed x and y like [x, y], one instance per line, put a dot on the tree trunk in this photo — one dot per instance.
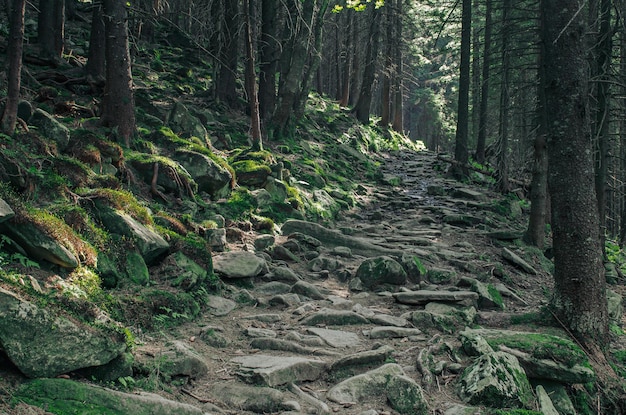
[314, 59]
[362, 107]
[505, 99]
[118, 102]
[14, 52]
[385, 91]
[398, 102]
[227, 80]
[603, 77]
[484, 95]
[51, 28]
[96, 60]
[461, 155]
[293, 65]
[349, 54]
[579, 300]
[269, 52]
[253, 100]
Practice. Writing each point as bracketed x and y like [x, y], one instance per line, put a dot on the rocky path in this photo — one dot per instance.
[362, 319]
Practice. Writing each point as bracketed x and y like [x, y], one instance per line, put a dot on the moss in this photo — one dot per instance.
[495, 295]
[121, 200]
[543, 346]
[56, 228]
[240, 205]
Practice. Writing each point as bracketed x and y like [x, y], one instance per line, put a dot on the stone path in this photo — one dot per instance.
[297, 331]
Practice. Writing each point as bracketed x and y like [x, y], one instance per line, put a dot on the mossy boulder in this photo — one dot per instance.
[64, 397]
[381, 270]
[251, 173]
[43, 343]
[496, 380]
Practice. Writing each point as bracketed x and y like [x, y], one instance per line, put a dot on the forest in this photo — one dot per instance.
[175, 114]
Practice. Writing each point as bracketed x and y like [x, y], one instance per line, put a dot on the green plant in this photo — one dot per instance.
[127, 382]
[16, 257]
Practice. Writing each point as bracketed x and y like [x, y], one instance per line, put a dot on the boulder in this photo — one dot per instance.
[496, 380]
[278, 370]
[51, 128]
[381, 270]
[43, 344]
[63, 396]
[250, 398]
[40, 245]
[208, 175]
[239, 264]
[150, 244]
[6, 212]
[388, 381]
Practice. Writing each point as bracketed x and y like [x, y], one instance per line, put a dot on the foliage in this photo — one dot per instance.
[121, 200]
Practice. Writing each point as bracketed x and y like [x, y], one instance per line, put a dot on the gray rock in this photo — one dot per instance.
[181, 271]
[263, 242]
[615, 306]
[273, 288]
[336, 338]
[51, 128]
[441, 276]
[322, 263]
[426, 296]
[488, 296]
[37, 351]
[517, 261]
[381, 270]
[497, 380]
[266, 343]
[220, 306]
[307, 290]
[238, 264]
[369, 357]
[334, 318]
[278, 370]
[250, 398]
[258, 332]
[6, 212]
[66, 396]
[183, 122]
[542, 356]
[283, 274]
[182, 360]
[208, 175]
[151, 245]
[39, 245]
[331, 238]
[366, 385]
[545, 403]
[559, 397]
[387, 332]
[388, 381]
[387, 320]
[216, 238]
[458, 409]
[288, 300]
[406, 396]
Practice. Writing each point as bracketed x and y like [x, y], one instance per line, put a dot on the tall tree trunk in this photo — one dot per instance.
[461, 154]
[398, 102]
[603, 62]
[314, 58]
[293, 67]
[253, 100]
[580, 299]
[228, 55]
[96, 59]
[362, 106]
[505, 99]
[118, 102]
[51, 28]
[484, 95]
[385, 91]
[269, 52]
[349, 54]
[15, 47]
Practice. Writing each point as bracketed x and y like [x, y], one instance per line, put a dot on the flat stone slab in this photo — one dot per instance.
[279, 370]
[238, 264]
[426, 296]
[387, 332]
[336, 338]
[334, 318]
[220, 306]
